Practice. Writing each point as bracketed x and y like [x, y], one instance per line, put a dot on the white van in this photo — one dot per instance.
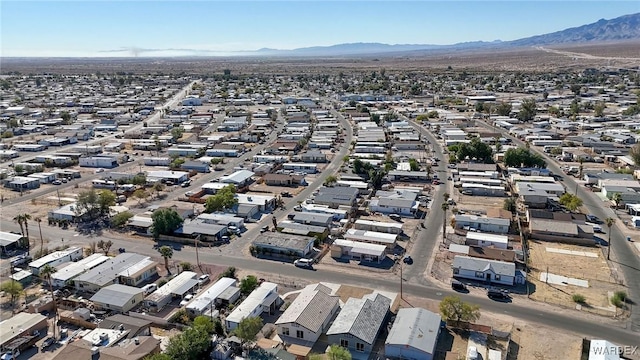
[304, 263]
[148, 289]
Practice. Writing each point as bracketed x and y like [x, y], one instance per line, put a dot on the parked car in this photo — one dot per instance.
[149, 288]
[304, 263]
[395, 217]
[458, 286]
[498, 294]
[56, 182]
[467, 192]
[472, 353]
[408, 260]
[285, 194]
[47, 342]
[186, 299]
[203, 279]
[10, 355]
[186, 184]
[264, 229]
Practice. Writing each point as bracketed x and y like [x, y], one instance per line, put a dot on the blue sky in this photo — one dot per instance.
[96, 28]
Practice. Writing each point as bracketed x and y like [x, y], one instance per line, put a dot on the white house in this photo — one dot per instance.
[484, 240]
[488, 224]
[56, 258]
[490, 271]
[414, 335]
[309, 315]
[263, 299]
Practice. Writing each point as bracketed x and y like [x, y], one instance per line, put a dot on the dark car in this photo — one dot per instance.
[458, 286]
[408, 260]
[498, 294]
[47, 342]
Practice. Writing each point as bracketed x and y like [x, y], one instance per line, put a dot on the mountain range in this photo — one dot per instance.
[622, 28]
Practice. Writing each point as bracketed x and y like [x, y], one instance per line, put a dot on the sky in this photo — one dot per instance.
[99, 28]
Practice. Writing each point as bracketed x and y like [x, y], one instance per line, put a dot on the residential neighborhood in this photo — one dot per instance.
[320, 211]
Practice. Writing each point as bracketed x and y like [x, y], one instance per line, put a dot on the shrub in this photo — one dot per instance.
[578, 299]
[617, 302]
[620, 295]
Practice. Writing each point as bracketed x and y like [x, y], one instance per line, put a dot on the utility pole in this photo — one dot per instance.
[401, 281]
[197, 256]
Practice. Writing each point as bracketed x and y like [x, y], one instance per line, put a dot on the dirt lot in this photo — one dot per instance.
[593, 269]
[480, 204]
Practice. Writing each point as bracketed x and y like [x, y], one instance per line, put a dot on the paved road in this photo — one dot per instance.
[624, 255]
[568, 320]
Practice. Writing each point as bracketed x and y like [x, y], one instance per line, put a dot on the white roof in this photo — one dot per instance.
[237, 177]
[487, 237]
[7, 238]
[361, 248]
[171, 286]
[264, 295]
[53, 257]
[205, 299]
[353, 234]
[379, 223]
[74, 269]
[13, 326]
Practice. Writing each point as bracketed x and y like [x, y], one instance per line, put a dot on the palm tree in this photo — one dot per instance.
[166, 252]
[444, 207]
[45, 273]
[609, 221]
[39, 220]
[617, 199]
[446, 197]
[19, 220]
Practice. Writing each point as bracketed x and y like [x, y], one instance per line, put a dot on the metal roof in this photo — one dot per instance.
[417, 328]
[311, 308]
[361, 318]
[475, 264]
[116, 294]
[105, 273]
[7, 238]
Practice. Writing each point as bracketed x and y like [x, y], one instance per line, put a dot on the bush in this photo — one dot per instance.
[617, 302]
[162, 282]
[579, 299]
[620, 295]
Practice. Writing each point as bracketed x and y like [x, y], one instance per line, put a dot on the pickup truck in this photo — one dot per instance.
[14, 348]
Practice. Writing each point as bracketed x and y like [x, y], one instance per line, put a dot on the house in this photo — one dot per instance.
[394, 205]
[357, 250]
[485, 240]
[118, 297]
[561, 231]
[358, 324]
[9, 242]
[22, 183]
[372, 237]
[21, 324]
[290, 227]
[70, 271]
[206, 300]
[120, 348]
[486, 224]
[198, 166]
[177, 177]
[414, 335]
[309, 315]
[177, 287]
[313, 156]
[315, 219]
[109, 272]
[56, 258]
[336, 196]
[263, 299]
[284, 180]
[134, 326]
[550, 188]
[250, 204]
[301, 167]
[108, 162]
[239, 178]
[284, 244]
[490, 271]
[379, 226]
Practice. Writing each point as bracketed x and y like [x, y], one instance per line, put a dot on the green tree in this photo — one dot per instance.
[337, 352]
[19, 169]
[509, 204]
[66, 117]
[527, 110]
[158, 187]
[186, 266]
[45, 274]
[164, 222]
[634, 153]
[140, 194]
[519, 157]
[191, 344]
[105, 246]
[570, 201]
[599, 109]
[248, 284]
[119, 220]
[139, 179]
[414, 165]
[167, 253]
[94, 204]
[224, 199]
[503, 109]
[13, 289]
[330, 180]
[159, 356]
[203, 323]
[475, 149]
[617, 199]
[609, 222]
[106, 199]
[454, 309]
[229, 272]
[23, 221]
[248, 328]
[177, 132]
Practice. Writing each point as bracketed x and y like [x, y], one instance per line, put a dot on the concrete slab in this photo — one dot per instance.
[562, 280]
[572, 252]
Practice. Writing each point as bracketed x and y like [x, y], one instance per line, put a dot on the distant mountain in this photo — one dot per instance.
[626, 27]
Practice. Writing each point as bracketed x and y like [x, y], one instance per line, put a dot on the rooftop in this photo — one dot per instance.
[417, 328]
[116, 294]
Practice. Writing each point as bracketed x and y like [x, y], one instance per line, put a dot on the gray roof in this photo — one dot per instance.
[128, 322]
[311, 308]
[285, 241]
[104, 273]
[482, 265]
[116, 294]
[417, 328]
[338, 194]
[301, 229]
[361, 318]
[303, 217]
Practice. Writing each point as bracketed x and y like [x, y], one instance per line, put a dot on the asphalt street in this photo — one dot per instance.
[624, 255]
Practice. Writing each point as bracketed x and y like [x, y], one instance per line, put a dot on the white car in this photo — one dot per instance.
[304, 263]
[472, 354]
[203, 279]
[9, 355]
[186, 299]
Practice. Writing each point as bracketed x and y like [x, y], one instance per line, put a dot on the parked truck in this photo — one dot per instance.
[12, 350]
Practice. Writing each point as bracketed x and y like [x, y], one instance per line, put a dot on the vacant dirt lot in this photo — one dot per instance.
[593, 269]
